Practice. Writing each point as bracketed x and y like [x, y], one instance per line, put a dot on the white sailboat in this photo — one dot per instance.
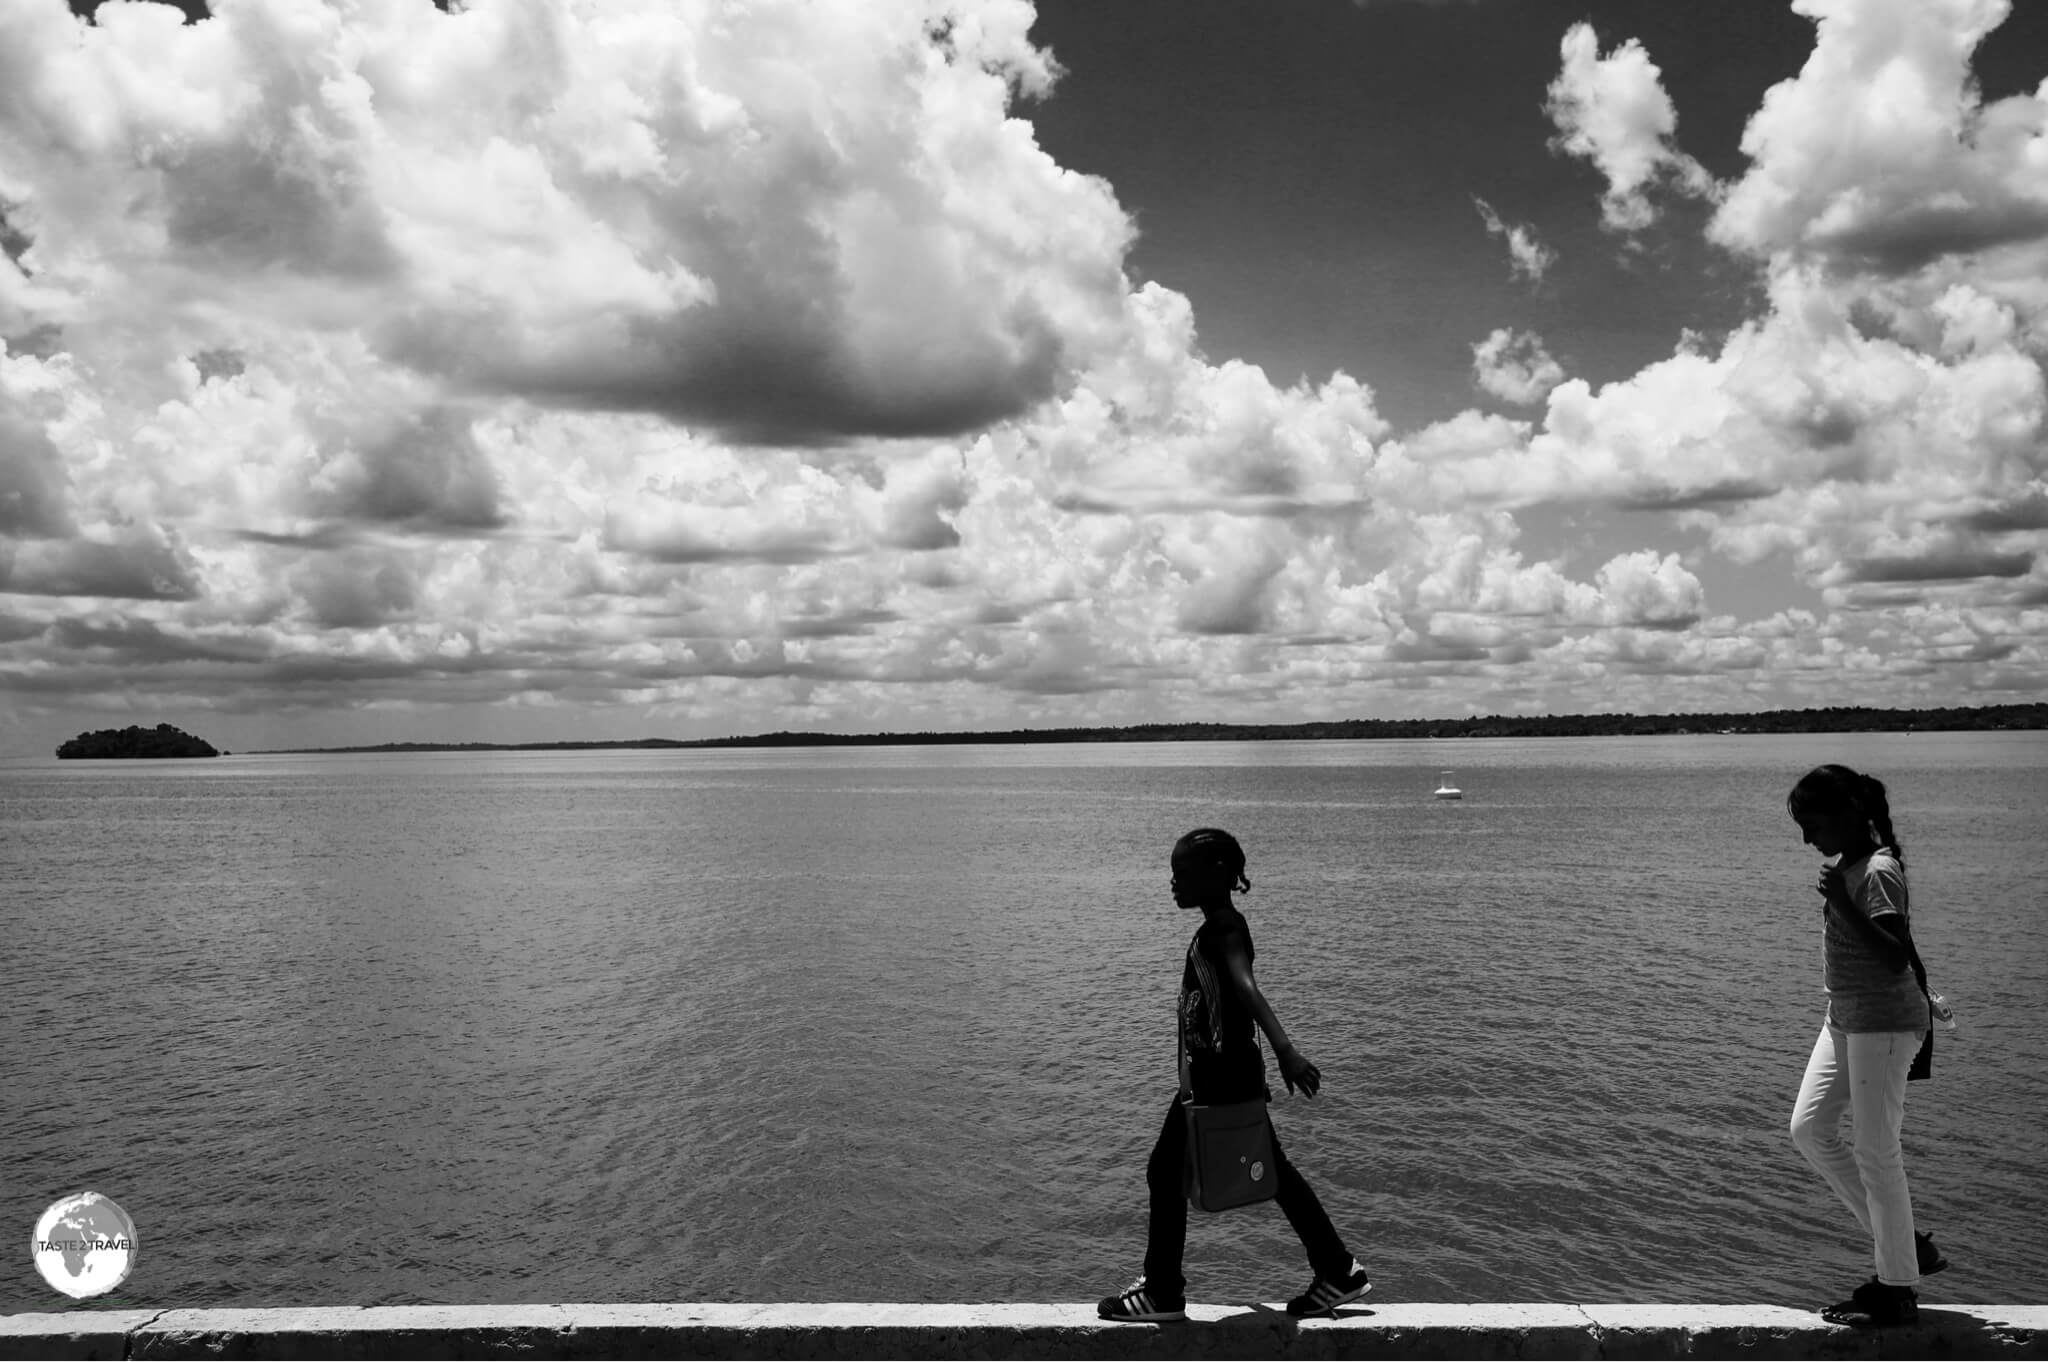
[1446, 790]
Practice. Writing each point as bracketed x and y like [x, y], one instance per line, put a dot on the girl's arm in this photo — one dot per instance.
[1294, 1066]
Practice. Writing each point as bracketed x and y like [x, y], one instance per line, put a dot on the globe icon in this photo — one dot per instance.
[85, 1245]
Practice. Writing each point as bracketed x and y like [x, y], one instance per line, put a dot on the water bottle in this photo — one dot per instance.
[1943, 1013]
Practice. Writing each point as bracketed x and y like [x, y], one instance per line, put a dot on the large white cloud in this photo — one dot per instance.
[804, 222]
[1881, 155]
[706, 369]
[1880, 424]
[1857, 456]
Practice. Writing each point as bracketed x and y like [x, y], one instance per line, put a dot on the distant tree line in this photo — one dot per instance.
[161, 741]
[1832, 719]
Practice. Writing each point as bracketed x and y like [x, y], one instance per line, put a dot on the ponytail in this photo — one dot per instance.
[1878, 809]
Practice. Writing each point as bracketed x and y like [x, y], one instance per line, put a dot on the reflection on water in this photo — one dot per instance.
[896, 1024]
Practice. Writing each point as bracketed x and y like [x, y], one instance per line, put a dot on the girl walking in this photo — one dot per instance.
[1877, 1017]
[1220, 1003]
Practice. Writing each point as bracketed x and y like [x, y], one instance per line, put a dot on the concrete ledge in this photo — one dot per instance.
[1400, 1330]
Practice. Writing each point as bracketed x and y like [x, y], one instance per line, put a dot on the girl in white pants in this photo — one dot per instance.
[1877, 1018]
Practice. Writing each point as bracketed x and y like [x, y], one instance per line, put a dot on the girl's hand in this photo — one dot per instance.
[1830, 885]
[1295, 1070]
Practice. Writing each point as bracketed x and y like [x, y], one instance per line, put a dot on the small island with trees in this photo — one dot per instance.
[136, 741]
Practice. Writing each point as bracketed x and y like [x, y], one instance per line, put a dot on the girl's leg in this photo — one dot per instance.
[1327, 1256]
[1877, 1095]
[1167, 1238]
[1817, 1122]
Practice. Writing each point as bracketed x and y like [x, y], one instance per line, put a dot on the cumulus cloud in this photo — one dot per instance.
[918, 501]
[358, 588]
[1528, 257]
[146, 564]
[1800, 436]
[1650, 591]
[1230, 588]
[1514, 366]
[626, 207]
[686, 369]
[32, 481]
[418, 466]
[1158, 428]
[1881, 155]
[1612, 111]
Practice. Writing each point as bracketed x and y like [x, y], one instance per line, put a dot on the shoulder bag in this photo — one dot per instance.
[1230, 1156]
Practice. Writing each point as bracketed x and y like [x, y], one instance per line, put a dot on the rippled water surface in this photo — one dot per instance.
[897, 1024]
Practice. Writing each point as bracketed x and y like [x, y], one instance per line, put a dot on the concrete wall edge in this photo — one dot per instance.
[1053, 1330]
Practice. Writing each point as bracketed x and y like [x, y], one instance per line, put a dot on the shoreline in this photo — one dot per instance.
[861, 1330]
[1833, 719]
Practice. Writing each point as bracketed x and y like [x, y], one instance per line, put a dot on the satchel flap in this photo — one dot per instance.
[1230, 1156]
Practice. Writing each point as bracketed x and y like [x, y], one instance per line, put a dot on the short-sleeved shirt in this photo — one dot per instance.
[1219, 1045]
[1865, 993]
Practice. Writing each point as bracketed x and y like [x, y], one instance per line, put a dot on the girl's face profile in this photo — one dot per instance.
[1194, 882]
[1828, 831]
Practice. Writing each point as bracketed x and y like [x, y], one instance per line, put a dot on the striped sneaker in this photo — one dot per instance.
[1324, 1295]
[1140, 1304]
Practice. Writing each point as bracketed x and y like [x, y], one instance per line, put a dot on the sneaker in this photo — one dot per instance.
[1875, 1305]
[1324, 1295]
[1140, 1304]
[1930, 1257]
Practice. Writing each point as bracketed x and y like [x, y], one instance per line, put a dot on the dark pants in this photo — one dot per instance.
[1168, 1237]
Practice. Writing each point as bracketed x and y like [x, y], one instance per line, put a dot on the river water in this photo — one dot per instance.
[897, 1023]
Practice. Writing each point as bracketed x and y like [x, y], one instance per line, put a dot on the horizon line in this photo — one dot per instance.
[1223, 730]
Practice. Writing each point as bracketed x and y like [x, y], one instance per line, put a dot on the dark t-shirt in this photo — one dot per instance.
[1219, 1044]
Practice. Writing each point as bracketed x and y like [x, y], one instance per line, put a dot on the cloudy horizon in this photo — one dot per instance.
[536, 370]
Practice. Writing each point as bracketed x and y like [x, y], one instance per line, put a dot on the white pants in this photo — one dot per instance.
[1864, 1073]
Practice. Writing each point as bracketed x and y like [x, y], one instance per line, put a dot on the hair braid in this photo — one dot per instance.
[1871, 799]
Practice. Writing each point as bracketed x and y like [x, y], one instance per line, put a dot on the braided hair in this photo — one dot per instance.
[1839, 789]
[1213, 848]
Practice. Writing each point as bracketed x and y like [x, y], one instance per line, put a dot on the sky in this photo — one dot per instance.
[536, 370]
